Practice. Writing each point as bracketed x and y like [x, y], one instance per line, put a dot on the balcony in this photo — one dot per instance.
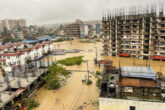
[146, 43]
[160, 50]
[124, 54]
[105, 46]
[105, 49]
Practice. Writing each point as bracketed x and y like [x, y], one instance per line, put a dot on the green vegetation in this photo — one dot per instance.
[98, 40]
[89, 40]
[98, 82]
[8, 39]
[51, 34]
[56, 76]
[71, 61]
[59, 40]
[98, 73]
[89, 82]
[54, 84]
[105, 77]
[95, 61]
[86, 41]
[32, 103]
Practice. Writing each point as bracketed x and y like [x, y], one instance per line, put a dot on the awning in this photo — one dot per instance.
[124, 54]
[37, 59]
[158, 57]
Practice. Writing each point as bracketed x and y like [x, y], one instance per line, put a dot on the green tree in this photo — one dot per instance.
[32, 103]
[54, 79]
[8, 39]
[98, 82]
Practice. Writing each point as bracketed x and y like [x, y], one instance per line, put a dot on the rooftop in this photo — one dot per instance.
[137, 82]
[138, 72]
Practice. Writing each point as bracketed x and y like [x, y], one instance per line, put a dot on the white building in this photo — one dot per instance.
[86, 30]
[121, 104]
[19, 58]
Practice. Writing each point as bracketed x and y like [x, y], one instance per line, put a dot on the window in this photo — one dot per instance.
[132, 108]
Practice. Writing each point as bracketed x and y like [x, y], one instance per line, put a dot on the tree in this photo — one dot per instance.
[8, 39]
[32, 103]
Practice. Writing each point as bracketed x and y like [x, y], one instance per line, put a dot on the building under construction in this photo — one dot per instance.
[135, 32]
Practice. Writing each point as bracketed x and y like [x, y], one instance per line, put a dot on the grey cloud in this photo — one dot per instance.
[58, 11]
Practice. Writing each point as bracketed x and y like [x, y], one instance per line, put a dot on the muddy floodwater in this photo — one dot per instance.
[75, 95]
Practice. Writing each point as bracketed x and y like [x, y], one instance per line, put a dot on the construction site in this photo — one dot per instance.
[135, 32]
[21, 83]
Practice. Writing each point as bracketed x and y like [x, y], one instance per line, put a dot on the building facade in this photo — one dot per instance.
[134, 35]
[10, 24]
[75, 29]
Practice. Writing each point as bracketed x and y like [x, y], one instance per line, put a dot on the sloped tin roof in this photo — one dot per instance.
[138, 72]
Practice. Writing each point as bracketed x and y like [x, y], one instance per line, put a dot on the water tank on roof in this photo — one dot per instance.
[111, 88]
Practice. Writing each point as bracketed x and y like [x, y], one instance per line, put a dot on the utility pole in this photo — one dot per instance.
[96, 55]
[94, 44]
[134, 62]
[88, 70]
[70, 41]
[0, 98]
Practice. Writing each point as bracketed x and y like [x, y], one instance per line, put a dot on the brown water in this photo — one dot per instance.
[76, 94]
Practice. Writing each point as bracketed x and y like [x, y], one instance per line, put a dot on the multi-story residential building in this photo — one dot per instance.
[98, 28]
[1, 28]
[75, 29]
[86, 30]
[139, 35]
[12, 23]
[19, 34]
[18, 53]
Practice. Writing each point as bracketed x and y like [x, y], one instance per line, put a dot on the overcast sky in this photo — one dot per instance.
[61, 11]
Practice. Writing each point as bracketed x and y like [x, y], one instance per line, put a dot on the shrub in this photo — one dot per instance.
[95, 61]
[8, 39]
[32, 103]
[89, 82]
[71, 61]
[98, 73]
[98, 82]
[54, 84]
[86, 41]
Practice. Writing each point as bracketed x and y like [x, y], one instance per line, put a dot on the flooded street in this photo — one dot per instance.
[75, 94]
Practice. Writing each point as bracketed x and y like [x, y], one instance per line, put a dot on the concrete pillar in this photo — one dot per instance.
[12, 101]
[28, 88]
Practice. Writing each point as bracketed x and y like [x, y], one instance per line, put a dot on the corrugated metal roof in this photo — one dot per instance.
[138, 72]
[31, 41]
[39, 39]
